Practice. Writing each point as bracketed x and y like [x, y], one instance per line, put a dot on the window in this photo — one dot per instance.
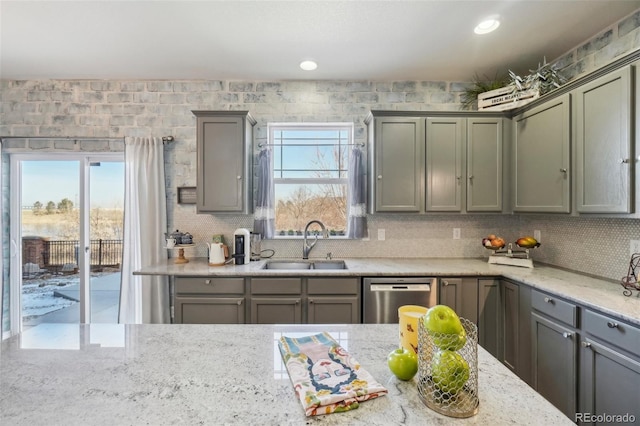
[310, 166]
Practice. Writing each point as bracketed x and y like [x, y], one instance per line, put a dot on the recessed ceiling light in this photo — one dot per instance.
[487, 25]
[308, 65]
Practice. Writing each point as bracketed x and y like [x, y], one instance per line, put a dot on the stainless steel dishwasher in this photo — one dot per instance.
[382, 296]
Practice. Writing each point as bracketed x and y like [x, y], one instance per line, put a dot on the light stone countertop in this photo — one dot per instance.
[601, 294]
[111, 374]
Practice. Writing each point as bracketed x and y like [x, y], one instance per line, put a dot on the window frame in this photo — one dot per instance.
[338, 126]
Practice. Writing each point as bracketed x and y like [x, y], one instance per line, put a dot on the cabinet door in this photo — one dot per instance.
[484, 164]
[333, 310]
[603, 144]
[516, 325]
[490, 316]
[444, 160]
[554, 363]
[609, 381]
[209, 310]
[399, 156]
[224, 170]
[276, 310]
[461, 295]
[541, 158]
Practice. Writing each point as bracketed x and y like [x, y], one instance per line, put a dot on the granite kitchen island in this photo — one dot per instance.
[109, 374]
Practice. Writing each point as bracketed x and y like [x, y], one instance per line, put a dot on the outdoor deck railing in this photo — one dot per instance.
[61, 252]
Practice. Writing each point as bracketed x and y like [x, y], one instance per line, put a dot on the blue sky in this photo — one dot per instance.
[46, 181]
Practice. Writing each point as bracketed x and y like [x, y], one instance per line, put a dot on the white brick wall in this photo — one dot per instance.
[115, 109]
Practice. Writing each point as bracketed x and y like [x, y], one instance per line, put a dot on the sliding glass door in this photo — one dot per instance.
[66, 228]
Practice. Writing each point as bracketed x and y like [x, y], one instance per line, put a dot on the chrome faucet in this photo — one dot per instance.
[306, 247]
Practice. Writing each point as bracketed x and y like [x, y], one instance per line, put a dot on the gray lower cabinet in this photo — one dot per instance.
[276, 301]
[490, 334]
[604, 144]
[224, 165]
[541, 143]
[516, 325]
[333, 301]
[209, 300]
[504, 327]
[609, 367]
[461, 295]
[554, 356]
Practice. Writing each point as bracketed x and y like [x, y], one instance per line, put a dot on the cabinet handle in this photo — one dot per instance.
[586, 344]
[310, 300]
[470, 177]
[297, 301]
[207, 282]
[563, 170]
[612, 324]
[548, 300]
[445, 282]
[379, 176]
[567, 335]
[624, 161]
[239, 302]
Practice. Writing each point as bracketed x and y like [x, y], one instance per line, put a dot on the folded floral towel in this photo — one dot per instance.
[326, 377]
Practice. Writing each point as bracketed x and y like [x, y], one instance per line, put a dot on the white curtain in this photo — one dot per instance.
[144, 299]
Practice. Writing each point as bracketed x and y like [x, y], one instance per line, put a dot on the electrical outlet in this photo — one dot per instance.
[537, 235]
[381, 235]
[634, 247]
[456, 233]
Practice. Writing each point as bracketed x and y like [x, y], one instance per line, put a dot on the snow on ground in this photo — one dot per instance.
[38, 298]
[37, 293]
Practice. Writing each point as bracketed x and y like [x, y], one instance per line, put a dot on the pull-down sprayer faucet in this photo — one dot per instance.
[306, 247]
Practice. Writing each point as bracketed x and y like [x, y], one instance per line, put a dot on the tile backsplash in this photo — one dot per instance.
[595, 246]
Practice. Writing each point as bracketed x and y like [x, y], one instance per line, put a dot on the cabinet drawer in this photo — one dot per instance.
[209, 285]
[612, 331]
[333, 285]
[555, 307]
[276, 286]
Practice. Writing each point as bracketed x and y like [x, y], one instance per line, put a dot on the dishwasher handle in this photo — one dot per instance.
[401, 287]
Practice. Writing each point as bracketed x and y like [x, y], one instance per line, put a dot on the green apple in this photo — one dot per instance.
[449, 371]
[445, 328]
[403, 363]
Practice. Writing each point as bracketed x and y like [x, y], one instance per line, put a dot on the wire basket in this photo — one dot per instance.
[448, 378]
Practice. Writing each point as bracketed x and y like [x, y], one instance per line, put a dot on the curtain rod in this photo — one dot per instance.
[74, 138]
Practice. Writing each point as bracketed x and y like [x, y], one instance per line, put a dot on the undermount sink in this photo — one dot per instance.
[329, 264]
[289, 264]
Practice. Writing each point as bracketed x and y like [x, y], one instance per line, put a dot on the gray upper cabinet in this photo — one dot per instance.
[541, 158]
[455, 174]
[603, 144]
[398, 159]
[444, 163]
[224, 178]
[484, 164]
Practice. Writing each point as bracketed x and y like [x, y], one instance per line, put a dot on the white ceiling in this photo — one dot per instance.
[266, 40]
